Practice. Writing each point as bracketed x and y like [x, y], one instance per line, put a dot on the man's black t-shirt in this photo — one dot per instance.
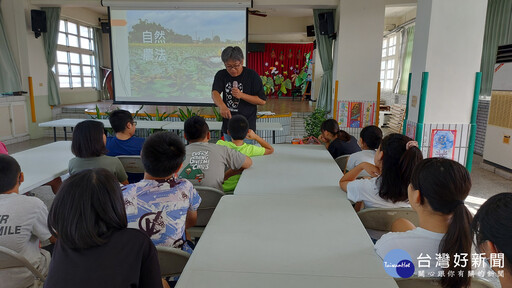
[128, 259]
[249, 82]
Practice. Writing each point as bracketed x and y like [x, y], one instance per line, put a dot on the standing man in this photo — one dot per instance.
[241, 87]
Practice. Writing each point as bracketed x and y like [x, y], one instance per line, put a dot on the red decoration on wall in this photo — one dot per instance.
[273, 54]
[257, 60]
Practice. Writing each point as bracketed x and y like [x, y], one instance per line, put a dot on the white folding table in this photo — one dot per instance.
[64, 123]
[284, 241]
[44, 163]
[292, 169]
[146, 124]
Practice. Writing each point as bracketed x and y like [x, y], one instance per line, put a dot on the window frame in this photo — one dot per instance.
[386, 59]
[83, 73]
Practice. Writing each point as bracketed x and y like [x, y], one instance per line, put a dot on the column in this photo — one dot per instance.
[448, 47]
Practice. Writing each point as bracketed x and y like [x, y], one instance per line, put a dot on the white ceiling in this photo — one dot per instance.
[286, 11]
[393, 12]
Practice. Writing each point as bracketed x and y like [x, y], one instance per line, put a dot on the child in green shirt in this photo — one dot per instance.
[238, 129]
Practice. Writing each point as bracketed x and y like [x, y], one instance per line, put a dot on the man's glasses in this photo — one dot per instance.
[134, 123]
[231, 67]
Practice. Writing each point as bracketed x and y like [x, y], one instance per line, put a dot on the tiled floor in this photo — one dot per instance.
[485, 183]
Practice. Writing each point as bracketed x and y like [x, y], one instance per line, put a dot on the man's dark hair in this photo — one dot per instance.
[88, 208]
[162, 154]
[9, 171]
[195, 128]
[234, 53]
[238, 126]
[88, 139]
[372, 136]
[119, 118]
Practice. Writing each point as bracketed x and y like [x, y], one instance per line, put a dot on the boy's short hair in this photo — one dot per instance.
[119, 118]
[238, 126]
[162, 154]
[10, 171]
[372, 136]
[195, 128]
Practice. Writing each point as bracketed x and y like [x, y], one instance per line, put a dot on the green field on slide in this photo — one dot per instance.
[174, 69]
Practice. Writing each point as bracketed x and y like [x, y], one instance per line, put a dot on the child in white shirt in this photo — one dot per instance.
[437, 192]
[394, 160]
[369, 141]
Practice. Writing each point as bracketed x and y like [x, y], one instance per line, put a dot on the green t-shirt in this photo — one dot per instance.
[246, 149]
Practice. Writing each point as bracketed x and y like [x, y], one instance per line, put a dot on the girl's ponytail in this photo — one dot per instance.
[444, 184]
[457, 241]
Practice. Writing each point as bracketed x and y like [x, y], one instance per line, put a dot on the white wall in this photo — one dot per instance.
[503, 78]
[447, 44]
[358, 49]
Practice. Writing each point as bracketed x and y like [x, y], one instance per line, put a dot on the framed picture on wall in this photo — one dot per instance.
[442, 143]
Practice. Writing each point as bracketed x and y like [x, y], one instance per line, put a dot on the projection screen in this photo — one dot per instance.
[165, 56]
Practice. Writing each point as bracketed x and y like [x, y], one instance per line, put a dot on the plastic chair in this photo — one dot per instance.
[172, 261]
[381, 219]
[342, 162]
[427, 282]
[210, 197]
[12, 259]
[131, 163]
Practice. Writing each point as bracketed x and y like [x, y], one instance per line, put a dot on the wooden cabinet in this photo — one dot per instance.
[13, 120]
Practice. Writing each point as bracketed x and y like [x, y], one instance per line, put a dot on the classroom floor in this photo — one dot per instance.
[485, 183]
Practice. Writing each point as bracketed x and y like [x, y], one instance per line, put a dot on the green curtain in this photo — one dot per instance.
[10, 81]
[406, 61]
[98, 55]
[50, 47]
[498, 31]
[324, 48]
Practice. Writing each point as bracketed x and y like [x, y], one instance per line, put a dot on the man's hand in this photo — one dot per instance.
[237, 93]
[224, 112]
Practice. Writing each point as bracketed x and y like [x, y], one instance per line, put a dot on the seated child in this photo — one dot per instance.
[206, 163]
[238, 129]
[162, 205]
[123, 143]
[22, 226]
[337, 142]
[437, 192]
[95, 248]
[369, 141]
[394, 160]
[88, 145]
[493, 233]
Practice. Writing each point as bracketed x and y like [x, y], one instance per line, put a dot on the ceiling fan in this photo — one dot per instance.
[257, 13]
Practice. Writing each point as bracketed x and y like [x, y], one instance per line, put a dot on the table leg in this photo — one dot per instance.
[273, 136]
[65, 134]
[54, 134]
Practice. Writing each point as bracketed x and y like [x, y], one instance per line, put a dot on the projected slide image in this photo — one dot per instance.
[173, 55]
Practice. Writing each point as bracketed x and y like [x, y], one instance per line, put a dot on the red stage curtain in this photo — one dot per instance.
[286, 58]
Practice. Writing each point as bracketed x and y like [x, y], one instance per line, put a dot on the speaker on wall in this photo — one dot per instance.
[105, 27]
[310, 30]
[326, 23]
[255, 47]
[38, 19]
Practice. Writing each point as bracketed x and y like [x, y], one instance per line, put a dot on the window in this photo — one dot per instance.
[76, 64]
[388, 65]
